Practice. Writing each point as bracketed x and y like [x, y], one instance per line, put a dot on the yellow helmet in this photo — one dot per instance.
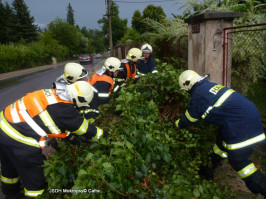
[187, 79]
[134, 54]
[81, 93]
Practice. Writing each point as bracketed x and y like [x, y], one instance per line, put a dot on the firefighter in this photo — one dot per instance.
[239, 121]
[147, 64]
[129, 68]
[102, 81]
[72, 73]
[27, 124]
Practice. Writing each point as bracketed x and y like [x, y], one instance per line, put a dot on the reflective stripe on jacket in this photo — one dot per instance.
[35, 103]
[96, 77]
[47, 113]
[238, 117]
[25, 109]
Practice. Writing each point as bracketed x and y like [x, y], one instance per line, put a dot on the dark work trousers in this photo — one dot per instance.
[239, 159]
[23, 162]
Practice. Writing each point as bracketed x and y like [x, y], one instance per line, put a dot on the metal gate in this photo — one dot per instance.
[244, 47]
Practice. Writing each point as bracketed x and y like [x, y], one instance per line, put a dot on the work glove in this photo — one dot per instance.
[53, 143]
[73, 139]
[176, 123]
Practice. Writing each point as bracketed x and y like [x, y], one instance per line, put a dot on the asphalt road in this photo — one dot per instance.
[14, 88]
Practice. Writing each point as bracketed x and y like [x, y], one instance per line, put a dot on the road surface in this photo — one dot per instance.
[12, 89]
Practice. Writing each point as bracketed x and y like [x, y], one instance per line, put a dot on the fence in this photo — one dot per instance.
[174, 51]
[244, 55]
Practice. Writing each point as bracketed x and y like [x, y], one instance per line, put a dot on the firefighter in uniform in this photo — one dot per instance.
[102, 81]
[239, 121]
[129, 68]
[74, 72]
[147, 64]
[27, 124]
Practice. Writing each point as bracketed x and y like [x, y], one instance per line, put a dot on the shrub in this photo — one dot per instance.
[144, 155]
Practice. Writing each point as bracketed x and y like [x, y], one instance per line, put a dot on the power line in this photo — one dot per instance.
[154, 1]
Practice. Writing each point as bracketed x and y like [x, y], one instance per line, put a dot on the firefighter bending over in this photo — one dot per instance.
[27, 124]
[239, 121]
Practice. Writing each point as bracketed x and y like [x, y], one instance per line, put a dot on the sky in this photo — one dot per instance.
[88, 12]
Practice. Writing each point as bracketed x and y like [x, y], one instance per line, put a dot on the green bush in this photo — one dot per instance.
[144, 155]
[18, 56]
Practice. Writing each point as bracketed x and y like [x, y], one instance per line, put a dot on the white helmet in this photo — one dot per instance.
[187, 79]
[81, 93]
[146, 48]
[112, 64]
[134, 54]
[74, 72]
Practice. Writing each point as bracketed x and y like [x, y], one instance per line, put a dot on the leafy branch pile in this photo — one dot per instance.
[144, 155]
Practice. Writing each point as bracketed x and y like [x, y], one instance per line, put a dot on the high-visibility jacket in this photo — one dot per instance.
[129, 72]
[104, 85]
[96, 77]
[238, 117]
[42, 114]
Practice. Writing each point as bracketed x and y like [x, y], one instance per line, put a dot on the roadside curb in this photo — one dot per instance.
[14, 74]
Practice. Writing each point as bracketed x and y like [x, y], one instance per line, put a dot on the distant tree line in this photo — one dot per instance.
[22, 39]
[16, 23]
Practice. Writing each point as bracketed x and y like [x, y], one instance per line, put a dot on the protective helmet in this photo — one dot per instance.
[112, 64]
[187, 79]
[74, 72]
[134, 54]
[146, 48]
[81, 93]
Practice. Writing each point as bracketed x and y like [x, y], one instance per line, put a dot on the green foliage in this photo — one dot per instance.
[136, 22]
[67, 35]
[119, 26]
[16, 57]
[23, 26]
[70, 15]
[96, 40]
[144, 155]
[6, 15]
[151, 12]
[248, 54]
[131, 33]
[248, 58]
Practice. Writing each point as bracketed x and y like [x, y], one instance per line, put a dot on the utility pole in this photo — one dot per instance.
[110, 27]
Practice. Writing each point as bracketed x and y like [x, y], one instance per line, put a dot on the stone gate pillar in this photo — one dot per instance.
[205, 42]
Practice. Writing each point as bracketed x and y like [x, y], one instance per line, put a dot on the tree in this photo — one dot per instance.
[6, 15]
[136, 22]
[155, 13]
[22, 25]
[151, 12]
[131, 34]
[70, 15]
[96, 40]
[119, 26]
[67, 35]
